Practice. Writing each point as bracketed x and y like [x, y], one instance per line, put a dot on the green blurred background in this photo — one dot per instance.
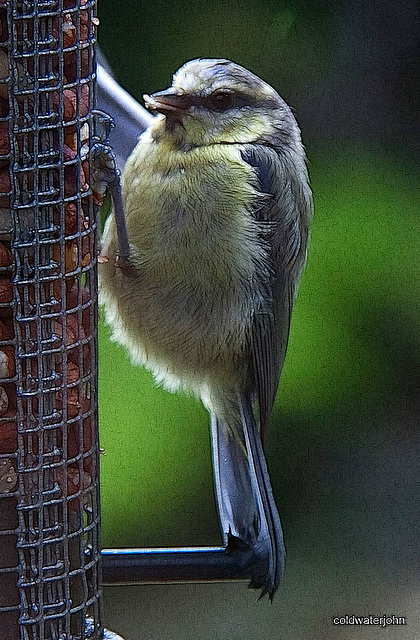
[343, 443]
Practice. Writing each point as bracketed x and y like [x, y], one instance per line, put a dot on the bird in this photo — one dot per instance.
[217, 206]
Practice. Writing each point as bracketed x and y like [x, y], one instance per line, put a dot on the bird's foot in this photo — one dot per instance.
[105, 175]
[255, 558]
[127, 267]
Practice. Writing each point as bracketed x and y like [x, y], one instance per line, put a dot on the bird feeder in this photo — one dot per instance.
[49, 481]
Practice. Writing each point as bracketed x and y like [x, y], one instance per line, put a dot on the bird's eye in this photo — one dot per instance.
[221, 100]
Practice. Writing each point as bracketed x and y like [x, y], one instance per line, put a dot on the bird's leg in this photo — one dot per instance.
[107, 176]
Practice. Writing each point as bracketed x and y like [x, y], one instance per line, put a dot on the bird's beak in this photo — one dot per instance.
[169, 101]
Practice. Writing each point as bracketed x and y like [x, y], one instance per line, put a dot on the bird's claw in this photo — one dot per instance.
[127, 267]
[254, 557]
[103, 159]
[106, 175]
[103, 124]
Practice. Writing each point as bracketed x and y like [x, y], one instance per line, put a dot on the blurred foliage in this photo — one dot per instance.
[358, 285]
[149, 42]
[156, 468]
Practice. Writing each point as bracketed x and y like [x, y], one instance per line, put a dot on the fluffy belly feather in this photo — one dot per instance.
[187, 312]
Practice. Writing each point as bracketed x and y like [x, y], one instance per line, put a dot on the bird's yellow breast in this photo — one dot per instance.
[200, 263]
[190, 211]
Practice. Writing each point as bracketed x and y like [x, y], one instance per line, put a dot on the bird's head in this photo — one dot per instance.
[216, 102]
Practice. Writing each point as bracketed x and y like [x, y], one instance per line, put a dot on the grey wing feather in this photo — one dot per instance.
[130, 118]
[287, 209]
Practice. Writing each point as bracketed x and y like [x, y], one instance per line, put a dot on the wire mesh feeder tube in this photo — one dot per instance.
[49, 491]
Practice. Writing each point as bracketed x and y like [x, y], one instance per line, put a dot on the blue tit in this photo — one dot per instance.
[218, 208]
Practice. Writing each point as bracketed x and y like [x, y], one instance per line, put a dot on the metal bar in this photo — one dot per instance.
[183, 564]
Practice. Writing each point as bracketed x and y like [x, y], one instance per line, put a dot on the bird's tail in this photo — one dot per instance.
[247, 510]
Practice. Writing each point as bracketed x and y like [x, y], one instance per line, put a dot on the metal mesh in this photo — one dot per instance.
[49, 492]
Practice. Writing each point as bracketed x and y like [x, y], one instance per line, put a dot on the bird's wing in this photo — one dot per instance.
[284, 215]
[130, 118]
